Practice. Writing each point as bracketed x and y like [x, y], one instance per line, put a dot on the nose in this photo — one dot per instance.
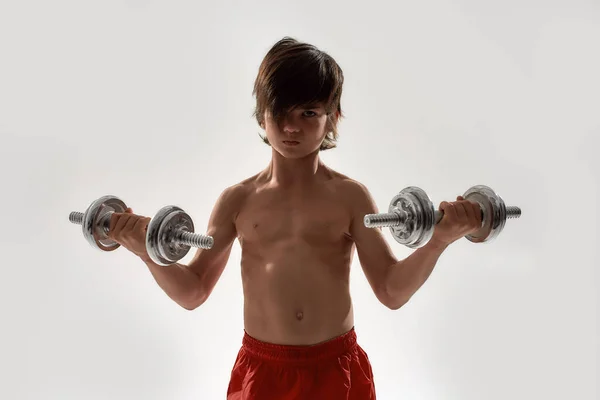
[289, 125]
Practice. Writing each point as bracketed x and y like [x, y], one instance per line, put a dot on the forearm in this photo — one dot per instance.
[177, 281]
[405, 277]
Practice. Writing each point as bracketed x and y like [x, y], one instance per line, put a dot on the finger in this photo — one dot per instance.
[131, 223]
[461, 213]
[478, 213]
[141, 225]
[129, 210]
[471, 214]
[123, 218]
[448, 210]
[114, 219]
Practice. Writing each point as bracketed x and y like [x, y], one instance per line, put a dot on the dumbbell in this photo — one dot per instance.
[169, 237]
[411, 216]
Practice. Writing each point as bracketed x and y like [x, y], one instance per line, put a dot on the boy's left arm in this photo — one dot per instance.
[395, 281]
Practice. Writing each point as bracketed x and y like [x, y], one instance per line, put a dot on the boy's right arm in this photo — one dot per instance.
[190, 285]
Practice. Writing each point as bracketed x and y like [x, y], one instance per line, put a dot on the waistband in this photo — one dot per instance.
[300, 353]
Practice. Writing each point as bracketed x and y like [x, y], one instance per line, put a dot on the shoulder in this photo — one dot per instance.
[358, 201]
[354, 192]
[244, 187]
[233, 196]
[348, 185]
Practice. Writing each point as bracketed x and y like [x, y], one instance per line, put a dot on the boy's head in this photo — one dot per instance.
[298, 93]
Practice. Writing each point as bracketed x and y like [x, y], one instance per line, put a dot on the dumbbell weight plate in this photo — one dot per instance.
[163, 230]
[418, 228]
[96, 220]
[494, 213]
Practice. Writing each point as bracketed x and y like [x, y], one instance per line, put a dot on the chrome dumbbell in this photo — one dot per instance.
[411, 216]
[169, 237]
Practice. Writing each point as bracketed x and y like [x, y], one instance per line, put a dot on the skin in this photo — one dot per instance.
[294, 228]
[299, 223]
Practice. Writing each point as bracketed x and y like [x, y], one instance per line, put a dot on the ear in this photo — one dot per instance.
[333, 120]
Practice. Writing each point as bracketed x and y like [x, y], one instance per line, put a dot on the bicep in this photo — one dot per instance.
[374, 253]
[209, 264]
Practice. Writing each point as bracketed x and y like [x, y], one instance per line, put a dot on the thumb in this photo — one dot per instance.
[129, 210]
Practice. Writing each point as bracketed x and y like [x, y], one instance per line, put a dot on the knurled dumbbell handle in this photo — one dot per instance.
[76, 217]
[181, 236]
[193, 239]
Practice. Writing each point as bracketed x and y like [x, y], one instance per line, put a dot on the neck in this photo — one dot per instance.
[293, 171]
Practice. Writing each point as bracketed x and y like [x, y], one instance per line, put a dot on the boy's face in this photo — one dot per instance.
[299, 132]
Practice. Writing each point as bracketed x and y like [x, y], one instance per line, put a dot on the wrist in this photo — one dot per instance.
[437, 244]
[146, 259]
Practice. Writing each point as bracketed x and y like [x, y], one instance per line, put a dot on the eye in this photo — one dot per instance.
[311, 114]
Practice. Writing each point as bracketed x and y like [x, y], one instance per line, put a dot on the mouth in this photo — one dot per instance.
[291, 142]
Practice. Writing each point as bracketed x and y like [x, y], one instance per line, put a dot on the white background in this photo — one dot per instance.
[151, 101]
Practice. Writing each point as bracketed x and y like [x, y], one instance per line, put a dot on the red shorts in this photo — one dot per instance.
[338, 369]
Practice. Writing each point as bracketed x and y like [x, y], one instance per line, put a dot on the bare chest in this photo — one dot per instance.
[271, 217]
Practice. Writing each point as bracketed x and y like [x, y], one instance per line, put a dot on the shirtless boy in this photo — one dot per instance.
[298, 222]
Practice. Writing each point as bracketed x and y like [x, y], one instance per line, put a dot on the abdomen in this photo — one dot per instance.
[296, 294]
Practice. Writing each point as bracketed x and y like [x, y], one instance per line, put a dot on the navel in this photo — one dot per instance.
[299, 315]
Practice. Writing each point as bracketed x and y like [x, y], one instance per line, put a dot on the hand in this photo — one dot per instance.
[461, 218]
[129, 230]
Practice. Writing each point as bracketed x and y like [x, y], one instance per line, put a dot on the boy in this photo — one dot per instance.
[298, 222]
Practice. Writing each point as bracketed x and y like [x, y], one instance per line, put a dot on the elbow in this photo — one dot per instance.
[194, 301]
[191, 306]
[395, 304]
[393, 301]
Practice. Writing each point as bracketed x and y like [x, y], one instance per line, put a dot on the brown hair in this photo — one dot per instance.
[294, 74]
